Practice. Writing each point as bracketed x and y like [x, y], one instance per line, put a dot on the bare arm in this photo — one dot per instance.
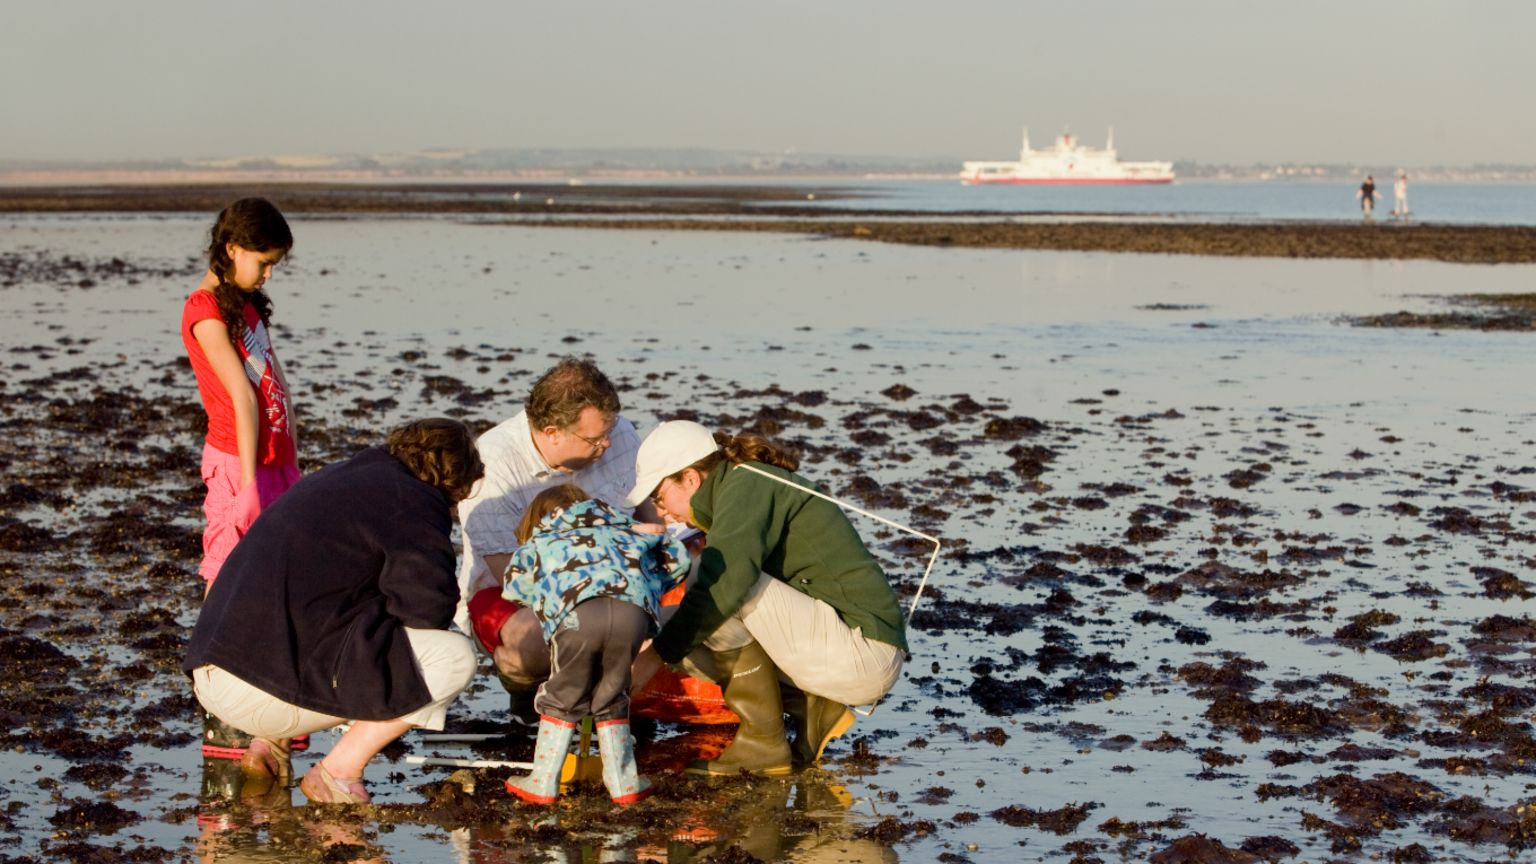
[498, 564]
[647, 664]
[213, 336]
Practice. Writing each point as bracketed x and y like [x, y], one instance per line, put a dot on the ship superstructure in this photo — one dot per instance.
[1068, 163]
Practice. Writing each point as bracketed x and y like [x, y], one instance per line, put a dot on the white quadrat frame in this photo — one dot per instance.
[867, 710]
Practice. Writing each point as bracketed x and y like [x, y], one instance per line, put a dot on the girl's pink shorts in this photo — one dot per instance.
[221, 473]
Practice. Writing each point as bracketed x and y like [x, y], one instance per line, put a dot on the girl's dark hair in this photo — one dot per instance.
[254, 224]
[746, 447]
[546, 502]
[439, 452]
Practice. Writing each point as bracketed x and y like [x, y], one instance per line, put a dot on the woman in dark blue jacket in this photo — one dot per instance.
[336, 605]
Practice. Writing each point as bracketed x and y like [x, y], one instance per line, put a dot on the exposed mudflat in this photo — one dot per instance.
[785, 208]
[1453, 243]
[1470, 312]
[1219, 583]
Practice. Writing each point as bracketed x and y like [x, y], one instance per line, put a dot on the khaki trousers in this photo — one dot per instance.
[809, 642]
[445, 660]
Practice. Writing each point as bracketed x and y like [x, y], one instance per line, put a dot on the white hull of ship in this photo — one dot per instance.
[1069, 163]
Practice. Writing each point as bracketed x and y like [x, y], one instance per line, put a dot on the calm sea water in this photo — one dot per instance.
[1497, 204]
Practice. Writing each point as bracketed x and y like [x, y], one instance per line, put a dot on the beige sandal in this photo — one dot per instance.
[268, 758]
[322, 788]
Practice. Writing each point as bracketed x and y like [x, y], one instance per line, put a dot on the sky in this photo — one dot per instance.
[1407, 82]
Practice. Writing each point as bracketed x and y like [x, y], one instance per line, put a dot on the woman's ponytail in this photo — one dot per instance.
[753, 447]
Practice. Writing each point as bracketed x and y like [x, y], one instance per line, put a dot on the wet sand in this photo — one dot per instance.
[745, 208]
[1209, 593]
[1515, 312]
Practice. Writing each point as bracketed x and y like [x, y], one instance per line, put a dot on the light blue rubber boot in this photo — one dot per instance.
[542, 785]
[617, 747]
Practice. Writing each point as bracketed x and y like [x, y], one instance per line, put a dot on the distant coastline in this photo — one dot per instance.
[785, 208]
[541, 177]
[59, 176]
[620, 165]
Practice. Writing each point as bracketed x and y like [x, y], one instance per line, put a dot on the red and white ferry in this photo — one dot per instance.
[1069, 163]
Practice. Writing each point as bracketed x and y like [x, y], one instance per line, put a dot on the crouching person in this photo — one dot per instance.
[336, 606]
[790, 612]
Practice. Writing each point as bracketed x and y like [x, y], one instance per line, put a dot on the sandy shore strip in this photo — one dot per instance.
[784, 209]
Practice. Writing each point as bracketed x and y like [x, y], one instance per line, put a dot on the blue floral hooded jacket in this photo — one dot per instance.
[589, 550]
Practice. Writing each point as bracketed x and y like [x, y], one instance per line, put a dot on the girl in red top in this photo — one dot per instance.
[250, 456]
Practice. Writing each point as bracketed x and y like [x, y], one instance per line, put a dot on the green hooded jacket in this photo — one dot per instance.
[757, 525]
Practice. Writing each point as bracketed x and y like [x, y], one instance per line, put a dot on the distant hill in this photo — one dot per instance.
[533, 163]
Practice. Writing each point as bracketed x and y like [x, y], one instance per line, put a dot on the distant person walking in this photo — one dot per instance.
[1400, 196]
[1367, 196]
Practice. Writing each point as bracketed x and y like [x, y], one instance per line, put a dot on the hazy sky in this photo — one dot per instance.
[1408, 82]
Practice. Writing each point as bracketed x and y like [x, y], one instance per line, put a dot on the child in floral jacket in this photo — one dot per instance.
[594, 578]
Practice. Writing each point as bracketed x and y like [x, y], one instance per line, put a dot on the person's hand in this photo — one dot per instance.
[246, 507]
[648, 528]
[647, 664]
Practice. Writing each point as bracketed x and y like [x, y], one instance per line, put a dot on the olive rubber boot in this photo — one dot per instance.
[221, 740]
[816, 720]
[750, 687]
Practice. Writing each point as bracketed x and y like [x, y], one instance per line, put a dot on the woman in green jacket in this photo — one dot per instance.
[785, 590]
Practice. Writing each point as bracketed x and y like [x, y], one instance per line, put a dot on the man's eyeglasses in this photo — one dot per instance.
[596, 443]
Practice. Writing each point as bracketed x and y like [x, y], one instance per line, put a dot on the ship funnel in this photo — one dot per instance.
[1024, 150]
[1109, 141]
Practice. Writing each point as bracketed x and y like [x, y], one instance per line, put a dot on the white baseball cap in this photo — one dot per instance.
[671, 447]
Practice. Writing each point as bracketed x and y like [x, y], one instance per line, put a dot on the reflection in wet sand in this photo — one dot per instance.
[242, 821]
[800, 819]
